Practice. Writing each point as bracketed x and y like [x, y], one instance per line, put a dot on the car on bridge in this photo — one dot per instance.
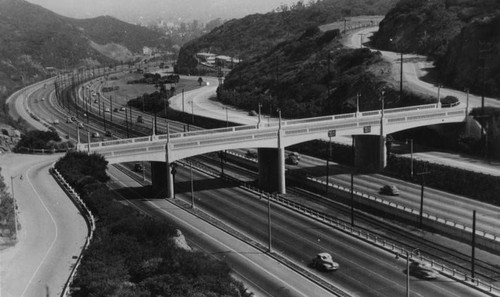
[323, 261]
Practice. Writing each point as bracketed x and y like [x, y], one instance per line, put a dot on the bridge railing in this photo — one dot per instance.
[353, 116]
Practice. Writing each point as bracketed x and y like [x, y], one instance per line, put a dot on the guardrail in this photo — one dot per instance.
[89, 219]
[477, 283]
[448, 222]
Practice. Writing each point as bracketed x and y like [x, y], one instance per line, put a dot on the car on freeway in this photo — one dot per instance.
[69, 120]
[55, 122]
[122, 108]
[115, 109]
[295, 154]
[391, 190]
[138, 167]
[251, 154]
[323, 261]
[292, 160]
[107, 133]
[107, 109]
[423, 270]
[73, 119]
[95, 134]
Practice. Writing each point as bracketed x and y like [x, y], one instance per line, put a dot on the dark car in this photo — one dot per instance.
[423, 270]
[323, 261]
[251, 154]
[389, 190]
[107, 133]
[292, 160]
[138, 167]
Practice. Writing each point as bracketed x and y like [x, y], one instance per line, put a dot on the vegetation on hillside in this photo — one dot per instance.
[7, 208]
[133, 255]
[311, 76]
[254, 35]
[460, 35]
[41, 140]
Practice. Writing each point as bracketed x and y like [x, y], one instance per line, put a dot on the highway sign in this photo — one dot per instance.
[332, 133]
[367, 129]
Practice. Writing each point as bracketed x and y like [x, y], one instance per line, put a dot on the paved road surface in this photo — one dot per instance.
[52, 230]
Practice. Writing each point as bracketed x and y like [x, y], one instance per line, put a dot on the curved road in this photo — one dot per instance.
[52, 231]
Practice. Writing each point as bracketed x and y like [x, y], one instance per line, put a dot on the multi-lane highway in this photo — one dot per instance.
[300, 241]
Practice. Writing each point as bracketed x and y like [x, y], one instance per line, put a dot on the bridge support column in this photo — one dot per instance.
[370, 152]
[272, 170]
[159, 173]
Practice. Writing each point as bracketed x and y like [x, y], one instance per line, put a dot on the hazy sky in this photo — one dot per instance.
[132, 10]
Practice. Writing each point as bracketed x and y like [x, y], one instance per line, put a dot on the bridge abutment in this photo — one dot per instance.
[370, 152]
[272, 170]
[159, 174]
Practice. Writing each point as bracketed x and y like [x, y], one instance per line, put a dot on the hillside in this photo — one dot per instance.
[256, 34]
[33, 38]
[458, 34]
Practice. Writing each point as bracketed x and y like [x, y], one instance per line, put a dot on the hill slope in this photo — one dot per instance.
[256, 34]
[459, 34]
[32, 38]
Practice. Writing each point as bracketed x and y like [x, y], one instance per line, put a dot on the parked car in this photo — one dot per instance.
[324, 261]
[138, 167]
[389, 190]
[422, 270]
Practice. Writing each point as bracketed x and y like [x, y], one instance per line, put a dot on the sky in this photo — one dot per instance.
[169, 10]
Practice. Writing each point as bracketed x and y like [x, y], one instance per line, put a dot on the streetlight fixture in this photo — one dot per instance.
[408, 256]
[411, 156]
[258, 123]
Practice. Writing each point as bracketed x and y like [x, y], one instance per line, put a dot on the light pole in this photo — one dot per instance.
[382, 137]
[439, 99]
[411, 156]
[422, 185]
[269, 221]
[408, 256]
[14, 200]
[258, 123]
[227, 117]
[192, 184]
[279, 116]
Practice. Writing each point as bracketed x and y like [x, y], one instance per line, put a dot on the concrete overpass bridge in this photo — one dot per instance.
[369, 130]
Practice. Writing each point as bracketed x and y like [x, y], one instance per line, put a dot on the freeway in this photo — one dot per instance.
[231, 195]
[299, 238]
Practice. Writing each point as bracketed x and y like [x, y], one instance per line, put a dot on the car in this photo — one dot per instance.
[95, 134]
[295, 154]
[55, 122]
[292, 160]
[107, 109]
[69, 120]
[73, 118]
[42, 99]
[122, 108]
[422, 270]
[115, 109]
[251, 154]
[138, 167]
[323, 261]
[391, 190]
[107, 133]
[139, 119]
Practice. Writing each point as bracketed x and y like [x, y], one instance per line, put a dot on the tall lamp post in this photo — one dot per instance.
[408, 256]
[410, 141]
[258, 123]
[14, 200]
[422, 185]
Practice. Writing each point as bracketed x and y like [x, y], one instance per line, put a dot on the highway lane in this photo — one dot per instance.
[442, 204]
[52, 231]
[364, 271]
[261, 273]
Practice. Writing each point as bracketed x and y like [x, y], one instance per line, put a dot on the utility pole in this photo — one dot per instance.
[422, 185]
